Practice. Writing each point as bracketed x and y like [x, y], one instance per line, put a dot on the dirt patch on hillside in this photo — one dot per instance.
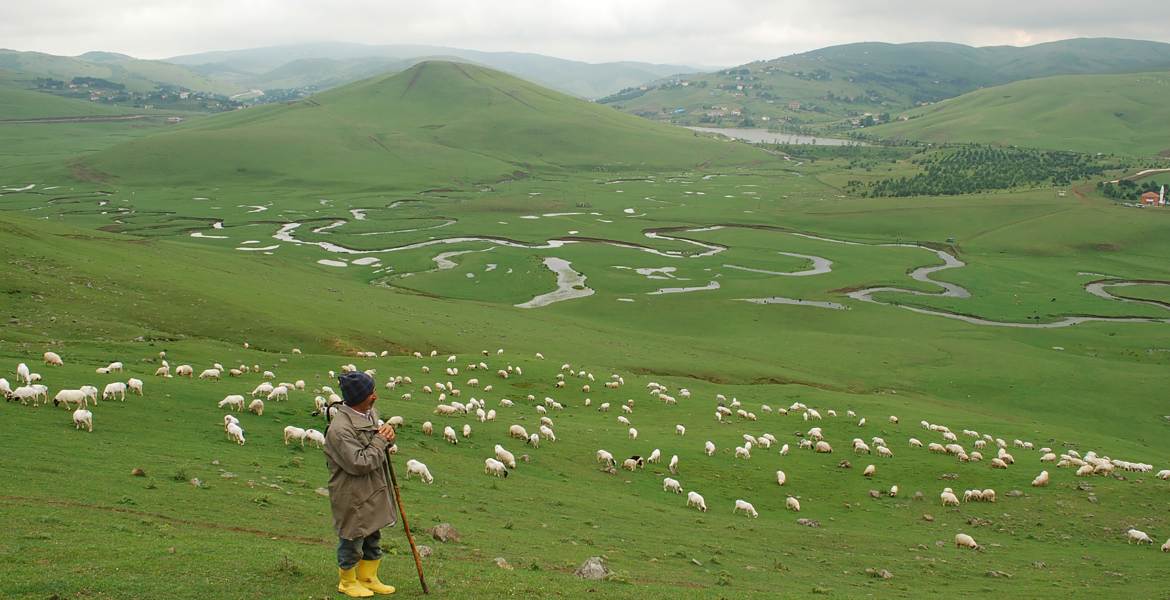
[83, 173]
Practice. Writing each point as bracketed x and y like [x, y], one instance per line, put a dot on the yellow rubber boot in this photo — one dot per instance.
[367, 574]
[349, 584]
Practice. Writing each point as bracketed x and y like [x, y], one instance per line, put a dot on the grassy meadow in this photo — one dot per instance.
[183, 236]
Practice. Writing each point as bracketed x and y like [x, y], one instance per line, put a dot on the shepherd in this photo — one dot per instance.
[359, 493]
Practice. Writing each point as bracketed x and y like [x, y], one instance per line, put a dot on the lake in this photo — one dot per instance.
[758, 136]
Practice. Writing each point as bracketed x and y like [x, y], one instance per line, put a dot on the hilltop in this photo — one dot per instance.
[437, 125]
[1112, 114]
[843, 83]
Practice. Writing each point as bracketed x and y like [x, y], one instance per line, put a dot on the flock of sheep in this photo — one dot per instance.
[503, 461]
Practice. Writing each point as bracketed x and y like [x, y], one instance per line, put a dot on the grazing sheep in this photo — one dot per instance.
[294, 433]
[54, 359]
[937, 448]
[210, 374]
[695, 500]
[505, 457]
[1166, 546]
[781, 477]
[278, 393]
[606, 456]
[673, 465]
[747, 509]
[623, 421]
[824, 448]
[792, 504]
[134, 385]
[257, 406]
[869, 470]
[517, 431]
[114, 389]
[949, 498]
[997, 463]
[449, 435]
[534, 439]
[784, 450]
[316, 437]
[235, 400]
[963, 540]
[491, 415]
[884, 452]
[672, 485]
[893, 419]
[77, 397]
[25, 393]
[745, 451]
[89, 390]
[631, 463]
[1041, 480]
[115, 366]
[709, 449]
[494, 467]
[22, 374]
[633, 433]
[235, 432]
[1140, 536]
[413, 466]
[915, 443]
[82, 417]
[604, 407]
[894, 491]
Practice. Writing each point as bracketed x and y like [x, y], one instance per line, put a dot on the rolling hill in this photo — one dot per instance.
[22, 104]
[586, 80]
[840, 83]
[136, 75]
[436, 125]
[1113, 114]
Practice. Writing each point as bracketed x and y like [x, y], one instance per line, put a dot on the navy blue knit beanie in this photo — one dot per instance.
[356, 386]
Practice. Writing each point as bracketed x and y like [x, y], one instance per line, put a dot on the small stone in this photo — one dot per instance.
[195, 482]
[321, 492]
[808, 522]
[927, 518]
[171, 550]
[844, 465]
[425, 551]
[525, 458]
[696, 561]
[992, 574]
[939, 543]
[918, 496]
[875, 494]
[592, 569]
[136, 472]
[503, 564]
[444, 532]
[228, 475]
[653, 560]
[1093, 499]
[1038, 565]
[1015, 493]
[215, 462]
[884, 574]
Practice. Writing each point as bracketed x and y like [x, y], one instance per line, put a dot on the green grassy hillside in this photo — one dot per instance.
[1114, 114]
[136, 75]
[437, 125]
[841, 83]
[22, 104]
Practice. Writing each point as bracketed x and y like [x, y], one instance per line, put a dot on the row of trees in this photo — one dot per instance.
[979, 169]
[1127, 189]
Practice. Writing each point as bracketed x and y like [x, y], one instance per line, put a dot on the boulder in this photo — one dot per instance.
[592, 569]
[322, 492]
[444, 532]
[425, 551]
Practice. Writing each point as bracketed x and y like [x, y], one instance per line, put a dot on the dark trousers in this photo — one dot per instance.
[349, 552]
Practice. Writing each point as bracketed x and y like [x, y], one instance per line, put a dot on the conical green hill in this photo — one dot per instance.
[438, 124]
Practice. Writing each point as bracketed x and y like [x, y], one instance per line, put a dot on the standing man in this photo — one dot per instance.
[359, 493]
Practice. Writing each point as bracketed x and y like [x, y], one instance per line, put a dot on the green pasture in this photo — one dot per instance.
[107, 256]
[1110, 114]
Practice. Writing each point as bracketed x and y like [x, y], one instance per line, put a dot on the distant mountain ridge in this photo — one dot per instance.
[586, 80]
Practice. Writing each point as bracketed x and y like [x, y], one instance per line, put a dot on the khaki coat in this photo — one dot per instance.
[359, 492]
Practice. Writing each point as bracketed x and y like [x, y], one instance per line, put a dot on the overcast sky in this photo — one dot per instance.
[709, 32]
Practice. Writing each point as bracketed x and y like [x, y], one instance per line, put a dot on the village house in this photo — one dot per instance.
[794, 105]
[1153, 199]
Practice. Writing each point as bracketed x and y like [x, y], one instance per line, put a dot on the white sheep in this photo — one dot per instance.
[606, 456]
[744, 451]
[278, 393]
[534, 439]
[54, 359]
[187, 370]
[115, 366]
[1041, 480]
[316, 437]
[236, 401]
[449, 435]
[294, 433]
[68, 397]
[235, 432]
[22, 374]
[505, 457]
[604, 407]
[517, 431]
[963, 540]
[784, 450]
[869, 470]
[413, 466]
[893, 491]
[492, 466]
[506, 402]
[792, 504]
[671, 485]
[655, 456]
[695, 500]
[747, 509]
[781, 477]
[633, 433]
[949, 498]
[709, 449]
[824, 448]
[491, 415]
[210, 374]
[114, 389]
[82, 417]
[673, 465]
[884, 452]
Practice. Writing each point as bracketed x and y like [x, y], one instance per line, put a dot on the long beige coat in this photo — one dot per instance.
[359, 493]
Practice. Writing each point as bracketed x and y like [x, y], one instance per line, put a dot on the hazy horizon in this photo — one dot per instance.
[683, 32]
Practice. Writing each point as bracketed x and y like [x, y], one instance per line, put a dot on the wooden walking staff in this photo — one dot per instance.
[402, 513]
